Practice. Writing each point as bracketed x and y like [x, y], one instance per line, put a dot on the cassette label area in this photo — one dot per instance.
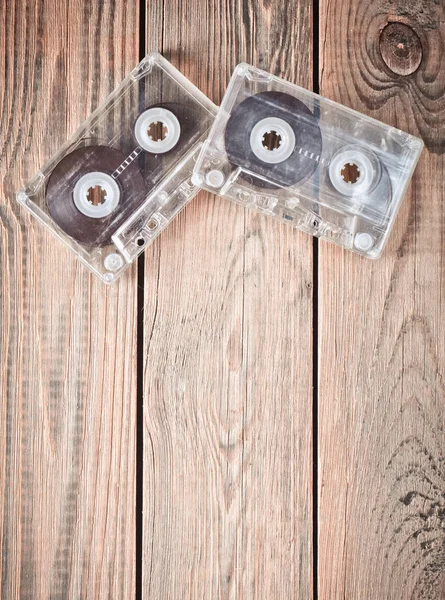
[126, 173]
[308, 161]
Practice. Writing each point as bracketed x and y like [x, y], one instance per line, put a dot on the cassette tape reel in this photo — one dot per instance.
[308, 161]
[126, 173]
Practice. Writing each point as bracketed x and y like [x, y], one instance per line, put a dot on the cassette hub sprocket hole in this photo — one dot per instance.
[96, 195]
[157, 131]
[350, 173]
[271, 140]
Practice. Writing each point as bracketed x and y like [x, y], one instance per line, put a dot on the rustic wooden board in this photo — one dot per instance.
[381, 327]
[67, 343]
[227, 449]
[228, 360]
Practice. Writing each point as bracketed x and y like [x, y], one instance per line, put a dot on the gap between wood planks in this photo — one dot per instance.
[140, 372]
[315, 265]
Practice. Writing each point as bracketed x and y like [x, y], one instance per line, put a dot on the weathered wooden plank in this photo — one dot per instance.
[381, 346]
[228, 362]
[67, 343]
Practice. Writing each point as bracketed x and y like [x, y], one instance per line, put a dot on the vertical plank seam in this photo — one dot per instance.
[315, 273]
[140, 374]
[245, 359]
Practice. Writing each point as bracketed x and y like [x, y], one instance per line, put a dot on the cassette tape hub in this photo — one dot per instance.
[126, 173]
[307, 160]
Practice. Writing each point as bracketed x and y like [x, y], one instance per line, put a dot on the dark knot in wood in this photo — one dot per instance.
[401, 48]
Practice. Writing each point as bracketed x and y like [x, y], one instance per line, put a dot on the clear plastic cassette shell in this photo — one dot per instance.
[307, 161]
[126, 172]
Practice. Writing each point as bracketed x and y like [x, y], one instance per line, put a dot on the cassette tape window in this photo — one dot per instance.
[126, 173]
[308, 161]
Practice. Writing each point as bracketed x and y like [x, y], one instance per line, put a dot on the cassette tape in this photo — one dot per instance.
[126, 173]
[308, 161]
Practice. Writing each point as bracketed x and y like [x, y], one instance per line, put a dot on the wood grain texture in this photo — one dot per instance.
[381, 342]
[228, 359]
[67, 343]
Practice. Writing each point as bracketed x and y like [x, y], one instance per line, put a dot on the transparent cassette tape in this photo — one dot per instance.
[308, 161]
[126, 173]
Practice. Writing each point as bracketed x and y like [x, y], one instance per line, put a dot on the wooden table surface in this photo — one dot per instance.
[249, 413]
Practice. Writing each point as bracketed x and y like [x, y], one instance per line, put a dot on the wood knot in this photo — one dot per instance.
[401, 48]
